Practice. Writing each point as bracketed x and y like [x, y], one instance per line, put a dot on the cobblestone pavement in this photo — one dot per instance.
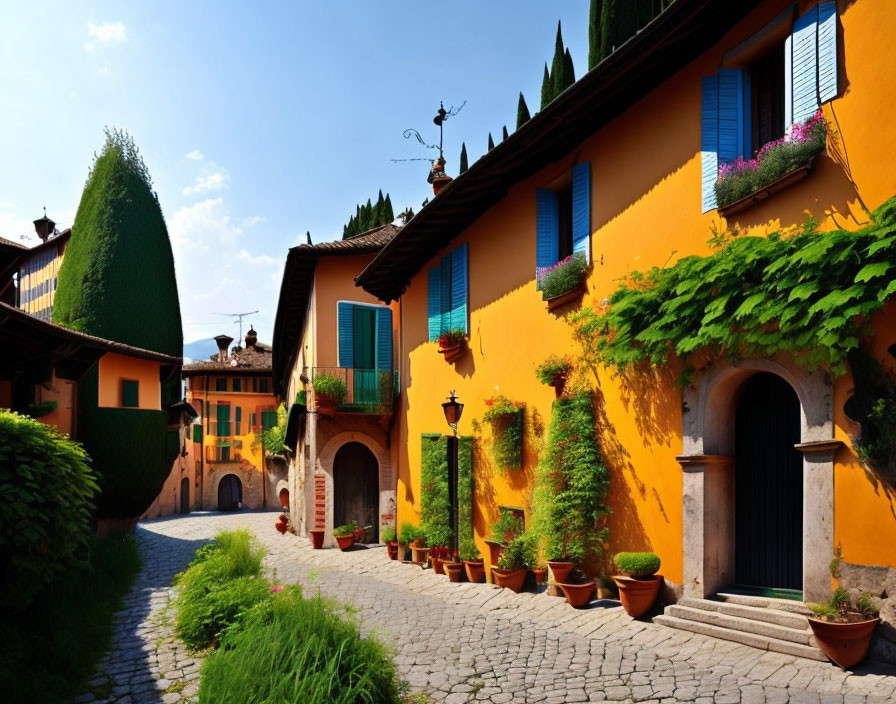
[464, 642]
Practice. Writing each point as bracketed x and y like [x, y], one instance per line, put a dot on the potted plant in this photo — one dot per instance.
[843, 629]
[558, 559]
[329, 393]
[577, 588]
[454, 568]
[510, 524]
[437, 556]
[453, 343]
[638, 582]
[472, 558]
[419, 550]
[540, 572]
[506, 419]
[317, 538]
[565, 281]
[514, 564]
[406, 536]
[282, 524]
[388, 537]
[554, 371]
[345, 535]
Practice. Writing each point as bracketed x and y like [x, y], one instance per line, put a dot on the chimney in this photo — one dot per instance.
[223, 342]
[437, 177]
[251, 337]
[44, 227]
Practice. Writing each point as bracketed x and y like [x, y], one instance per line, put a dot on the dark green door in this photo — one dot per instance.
[768, 486]
[223, 420]
[364, 329]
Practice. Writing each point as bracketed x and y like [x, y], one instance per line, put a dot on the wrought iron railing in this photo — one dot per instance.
[224, 452]
[366, 390]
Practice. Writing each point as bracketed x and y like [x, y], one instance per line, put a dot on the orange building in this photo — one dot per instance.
[621, 168]
[328, 332]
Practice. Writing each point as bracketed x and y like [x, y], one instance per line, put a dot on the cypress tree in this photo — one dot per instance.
[569, 72]
[558, 67]
[522, 112]
[594, 55]
[463, 158]
[504, 134]
[546, 88]
[388, 215]
[607, 28]
[491, 142]
[378, 211]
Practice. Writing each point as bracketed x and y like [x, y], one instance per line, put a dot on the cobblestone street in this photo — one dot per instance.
[464, 642]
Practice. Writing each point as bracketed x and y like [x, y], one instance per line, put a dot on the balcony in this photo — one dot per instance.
[226, 452]
[366, 390]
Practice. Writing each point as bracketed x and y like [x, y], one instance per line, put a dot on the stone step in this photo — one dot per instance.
[752, 639]
[769, 615]
[764, 602]
[745, 625]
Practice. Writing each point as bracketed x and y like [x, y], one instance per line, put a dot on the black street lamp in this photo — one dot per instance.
[453, 411]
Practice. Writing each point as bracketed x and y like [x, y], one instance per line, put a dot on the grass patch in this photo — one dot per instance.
[51, 648]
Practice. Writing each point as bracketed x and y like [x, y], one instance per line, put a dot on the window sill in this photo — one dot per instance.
[766, 192]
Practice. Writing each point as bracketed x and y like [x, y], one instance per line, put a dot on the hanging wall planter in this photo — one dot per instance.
[453, 344]
[329, 393]
[554, 371]
[506, 420]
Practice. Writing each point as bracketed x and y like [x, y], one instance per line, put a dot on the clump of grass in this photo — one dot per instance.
[292, 649]
[222, 582]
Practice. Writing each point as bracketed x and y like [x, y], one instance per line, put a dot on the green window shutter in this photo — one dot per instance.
[239, 419]
[268, 419]
[130, 393]
[197, 433]
[364, 329]
[345, 334]
[223, 416]
[237, 384]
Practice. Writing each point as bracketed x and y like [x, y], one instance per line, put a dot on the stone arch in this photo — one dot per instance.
[282, 486]
[384, 463]
[235, 497]
[708, 472]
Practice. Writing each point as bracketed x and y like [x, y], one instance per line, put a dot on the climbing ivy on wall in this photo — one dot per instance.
[465, 542]
[435, 518]
[809, 293]
[506, 420]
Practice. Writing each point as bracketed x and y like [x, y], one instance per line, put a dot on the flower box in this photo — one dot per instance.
[563, 282]
[767, 191]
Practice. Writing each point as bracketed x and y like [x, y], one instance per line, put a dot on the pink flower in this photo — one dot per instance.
[276, 588]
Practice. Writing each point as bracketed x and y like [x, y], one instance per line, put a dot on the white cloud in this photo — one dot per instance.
[214, 178]
[104, 71]
[106, 33]
[254, 220]
[195, 155]
[217, 272]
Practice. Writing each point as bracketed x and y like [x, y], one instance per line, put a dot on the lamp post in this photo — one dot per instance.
[453, 410]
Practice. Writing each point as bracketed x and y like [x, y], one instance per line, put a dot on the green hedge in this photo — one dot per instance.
[465, 486]
[435, 515]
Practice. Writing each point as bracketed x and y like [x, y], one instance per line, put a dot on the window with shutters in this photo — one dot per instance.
[364, 336]
[130, 393]
[237, 384]
[448, 293]
[563, 218]
[221, 384]
[776, 80]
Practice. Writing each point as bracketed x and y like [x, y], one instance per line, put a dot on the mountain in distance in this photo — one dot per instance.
[200, 350]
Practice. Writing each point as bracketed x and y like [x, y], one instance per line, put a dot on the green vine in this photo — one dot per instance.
[465, 541]
[435, 518]
[506, 419]
[810, 294]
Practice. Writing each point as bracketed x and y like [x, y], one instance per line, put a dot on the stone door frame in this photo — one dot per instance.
[707, 463]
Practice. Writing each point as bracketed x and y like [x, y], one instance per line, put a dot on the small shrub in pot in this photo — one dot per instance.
[637, 565]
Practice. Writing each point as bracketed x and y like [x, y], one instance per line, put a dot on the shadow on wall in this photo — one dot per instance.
[485, 501]
[653, 399]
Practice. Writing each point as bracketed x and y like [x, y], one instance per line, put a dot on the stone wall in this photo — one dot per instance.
[880, 582]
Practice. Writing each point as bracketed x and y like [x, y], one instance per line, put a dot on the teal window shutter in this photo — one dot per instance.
[827, 51]
[434, 303]
[733, 126]
[237, 384]
[445, 293]
[709, 140]
[239, 419]
[346, 337]
[384, 338]
[459, 288]
[801, 67]
[197, 433]
[547, 229]
[581, 209]
[130, 393]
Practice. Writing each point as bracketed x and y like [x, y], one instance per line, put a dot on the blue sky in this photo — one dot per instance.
[258, 121]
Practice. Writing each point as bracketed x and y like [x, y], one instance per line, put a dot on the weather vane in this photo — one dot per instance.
[439, 120]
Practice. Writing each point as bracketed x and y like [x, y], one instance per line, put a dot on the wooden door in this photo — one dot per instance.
[356, 487]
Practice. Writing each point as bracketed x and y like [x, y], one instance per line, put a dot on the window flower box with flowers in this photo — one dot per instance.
[506, 418]
[776, 166]
[453, 344]
[563, 282]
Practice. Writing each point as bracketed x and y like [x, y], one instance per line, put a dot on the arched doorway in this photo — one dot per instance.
[768, 486]
[230, 493]
[185, 495]
[356, 487]
[284, 498]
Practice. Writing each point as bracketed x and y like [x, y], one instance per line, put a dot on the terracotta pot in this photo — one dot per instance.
[510, 579]
[454, 570]
[317, 538]
[578, 595]
[494, 551]
[420, 554]
[637, 595]
[844, 643]
[345, 541]
[393, 550]
[453, 352]
[475, 570]
[437, 565]
[541, 575]
[326, 405]
[560, 569]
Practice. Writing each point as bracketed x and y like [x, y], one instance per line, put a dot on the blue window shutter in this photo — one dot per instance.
[547, 228]
[434, 303]
[445, 293]
[803, 58]
[346, 335]
[384, 338]
[581, 209]
[827, 51]
[459, 288]
[732, 115]
[709, 140]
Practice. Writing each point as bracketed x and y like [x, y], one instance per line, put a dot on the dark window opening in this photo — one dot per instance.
[767, 98]
[237, 384]
[263, 386]
[130, 393]
[564, 224]
[221, 384]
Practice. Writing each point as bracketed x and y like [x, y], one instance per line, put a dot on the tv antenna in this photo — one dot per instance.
[239, 320]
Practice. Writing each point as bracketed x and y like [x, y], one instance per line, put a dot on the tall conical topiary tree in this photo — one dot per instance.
[547, 89]
[558, 69]
[522, 112]
[491, 142]
[388, 214]
[118, 253]
[594, 55]
[463, 158]
[504, 134]
[569, 71]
